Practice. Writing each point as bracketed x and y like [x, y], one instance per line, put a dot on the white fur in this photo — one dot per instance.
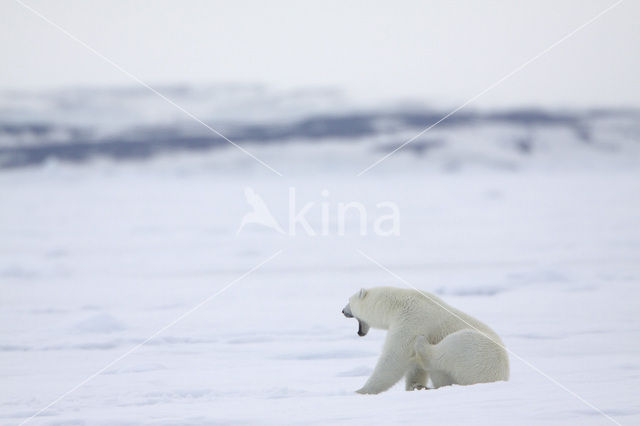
[427, 338]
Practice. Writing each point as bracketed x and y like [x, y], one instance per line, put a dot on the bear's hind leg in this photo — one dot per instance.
[467, 357]
[440, 379]
[416, 378]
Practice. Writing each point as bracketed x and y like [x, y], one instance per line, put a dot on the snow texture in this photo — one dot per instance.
[98, 256]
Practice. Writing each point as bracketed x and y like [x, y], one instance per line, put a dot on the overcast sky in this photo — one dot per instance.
[444, 51]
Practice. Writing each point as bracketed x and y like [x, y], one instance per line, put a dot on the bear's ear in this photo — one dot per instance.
[362, 293]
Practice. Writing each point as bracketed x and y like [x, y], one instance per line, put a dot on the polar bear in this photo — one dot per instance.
[426, 338]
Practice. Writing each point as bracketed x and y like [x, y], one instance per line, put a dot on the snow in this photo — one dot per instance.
[96, 260]
[99, 256]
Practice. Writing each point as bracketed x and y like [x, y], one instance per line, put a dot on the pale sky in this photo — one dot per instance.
[440, 51]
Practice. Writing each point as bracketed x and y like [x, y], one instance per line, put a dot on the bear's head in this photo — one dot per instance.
[371, 309]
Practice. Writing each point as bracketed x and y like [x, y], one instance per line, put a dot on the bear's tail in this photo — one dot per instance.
[423, 352]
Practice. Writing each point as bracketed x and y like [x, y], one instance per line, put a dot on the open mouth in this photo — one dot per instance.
[363, 328]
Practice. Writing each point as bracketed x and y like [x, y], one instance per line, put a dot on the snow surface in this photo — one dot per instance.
[98, 257]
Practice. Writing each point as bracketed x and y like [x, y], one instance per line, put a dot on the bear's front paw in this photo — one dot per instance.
[364, 391]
